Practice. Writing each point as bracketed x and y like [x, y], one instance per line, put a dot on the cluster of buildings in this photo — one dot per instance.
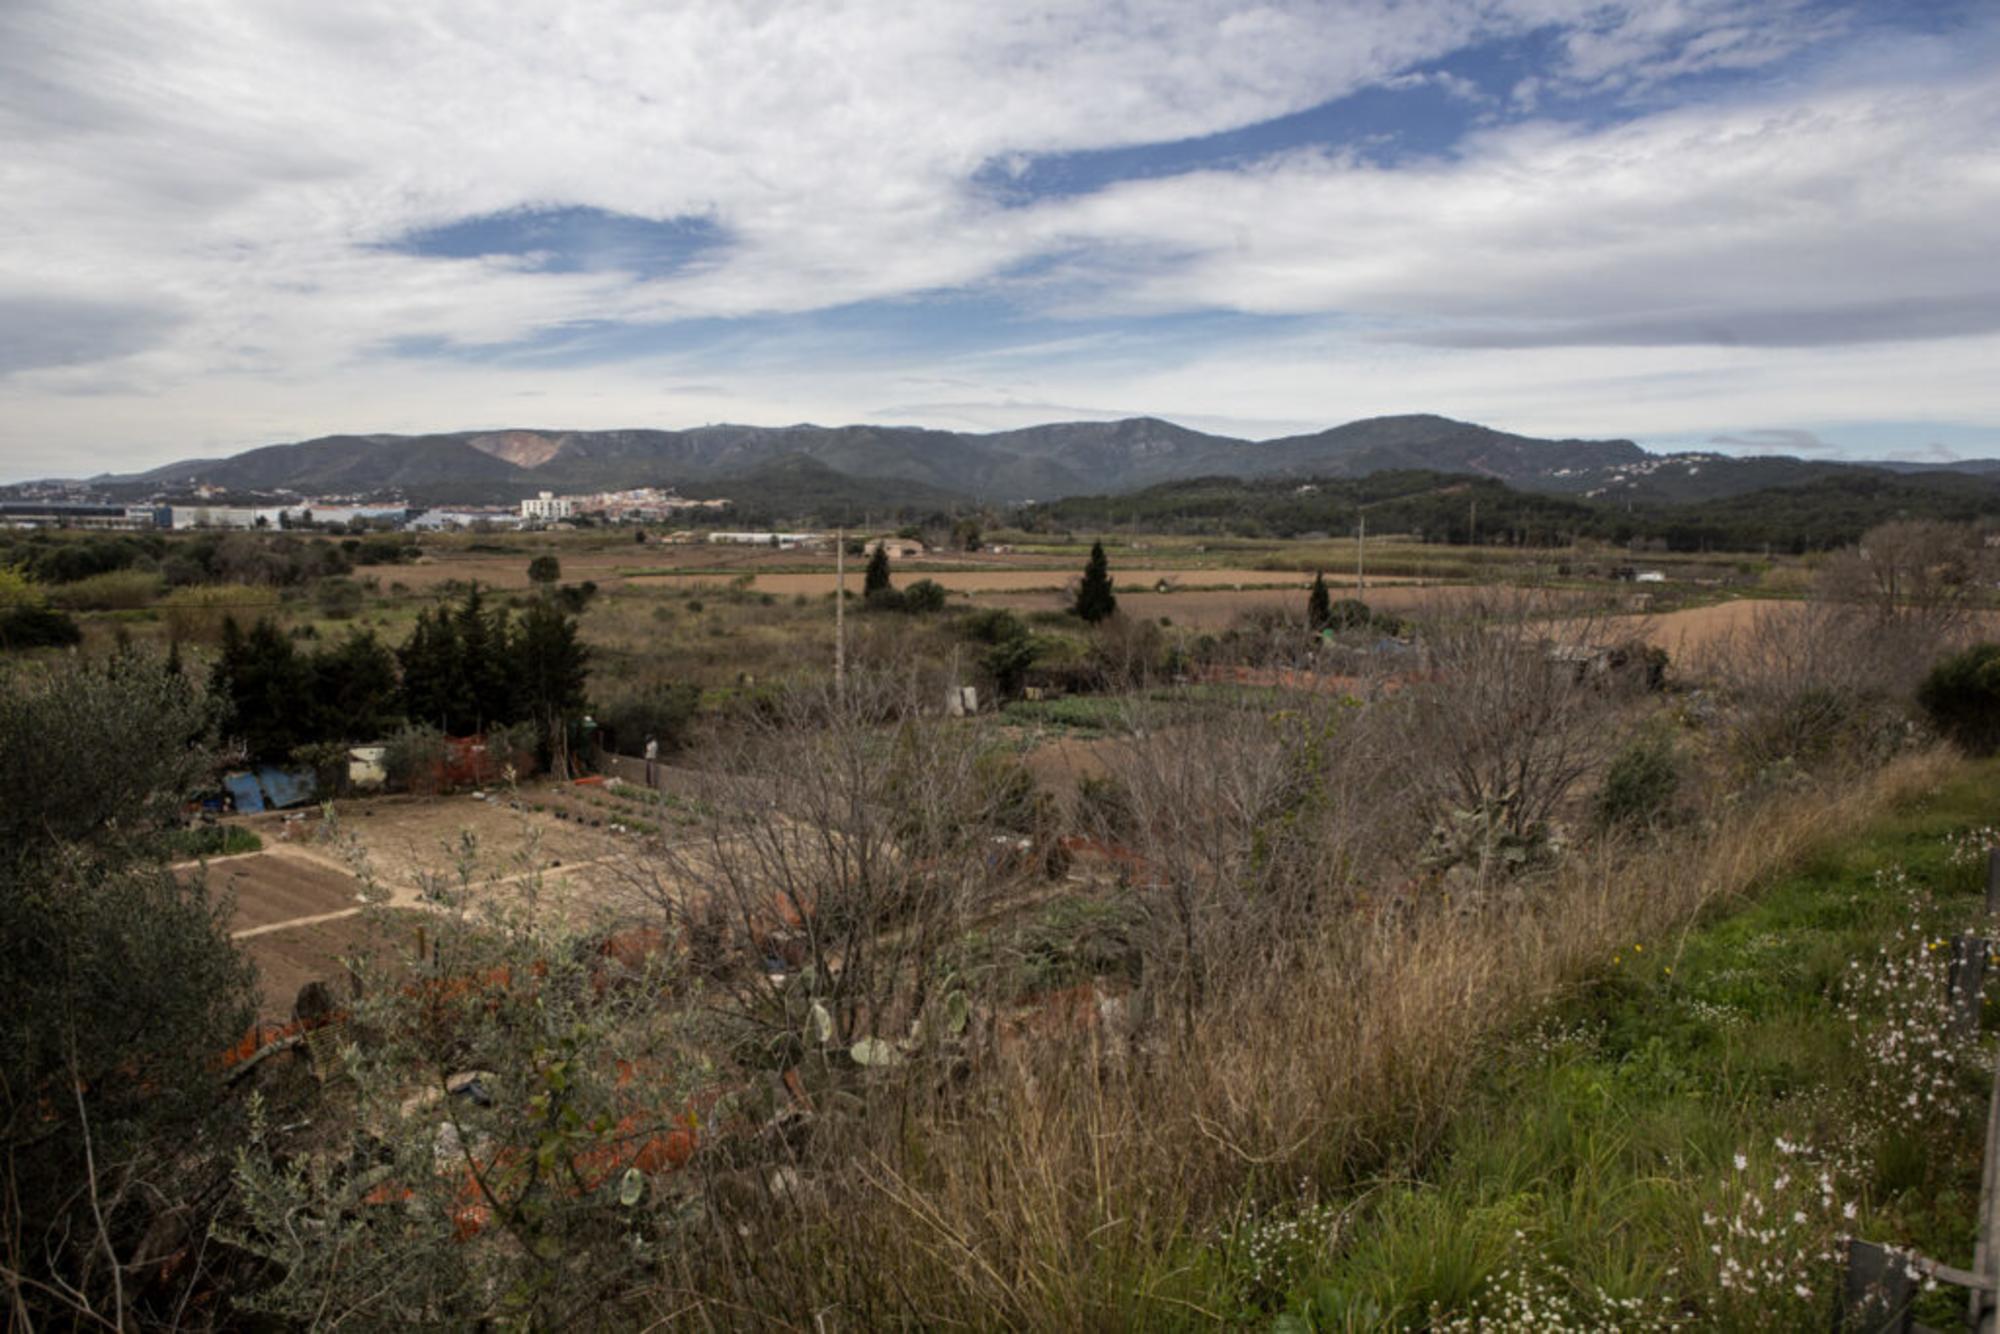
[645, 504]
[207, 510]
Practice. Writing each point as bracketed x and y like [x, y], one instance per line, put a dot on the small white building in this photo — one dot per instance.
[547, 507]
[899, 548]
[225, 516]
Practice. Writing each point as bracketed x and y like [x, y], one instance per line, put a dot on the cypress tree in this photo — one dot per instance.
[1094, 598]
[877, 579]
[1319, 605]
[553, 666]
[431, 677]
[486, 675]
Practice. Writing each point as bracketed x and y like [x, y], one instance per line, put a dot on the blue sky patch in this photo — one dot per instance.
[572, 240]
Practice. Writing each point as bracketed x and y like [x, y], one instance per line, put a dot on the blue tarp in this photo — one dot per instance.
[269, 788]
[243, 788]
[282, 789]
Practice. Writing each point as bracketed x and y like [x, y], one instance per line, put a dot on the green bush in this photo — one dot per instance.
[383, 551]
[665, 710]
[994, 625]
[1641, 784]
[338, 599]
[413, 757]
[37, 627]
[114, 590]
[215, 840]
[924, 597]
[1961, 697]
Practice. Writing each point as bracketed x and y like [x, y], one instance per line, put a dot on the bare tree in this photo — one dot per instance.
[1921, 576]
[841, 844]
[1510, 717]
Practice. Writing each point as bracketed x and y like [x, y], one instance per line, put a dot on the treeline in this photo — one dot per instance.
[1823, 514]
[280, 560]
[465, 669]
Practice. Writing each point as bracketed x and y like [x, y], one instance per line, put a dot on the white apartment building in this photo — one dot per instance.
[546, 507]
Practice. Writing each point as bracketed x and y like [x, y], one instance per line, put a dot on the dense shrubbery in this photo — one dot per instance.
[121, 984]
[37, 627]
[664, 711]
[250, 558]
[1961, 696]
[52, 559]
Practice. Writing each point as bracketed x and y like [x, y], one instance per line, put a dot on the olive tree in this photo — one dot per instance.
[122, 988]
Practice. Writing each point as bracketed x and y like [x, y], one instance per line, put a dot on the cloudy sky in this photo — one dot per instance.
[1773, 225]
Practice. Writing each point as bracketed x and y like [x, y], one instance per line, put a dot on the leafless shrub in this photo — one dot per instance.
[1239, 826]
[1819, 683]
[844, 841]
[1509, 717]
[1919, 578]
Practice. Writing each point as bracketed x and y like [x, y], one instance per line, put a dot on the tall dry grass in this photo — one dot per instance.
[1073, 1183]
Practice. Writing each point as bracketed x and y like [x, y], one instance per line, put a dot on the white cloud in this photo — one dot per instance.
[207, 191]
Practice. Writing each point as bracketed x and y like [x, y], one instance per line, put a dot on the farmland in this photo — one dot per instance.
[1191, 926]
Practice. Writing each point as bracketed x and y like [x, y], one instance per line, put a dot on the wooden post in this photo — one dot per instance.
[1966, 983]
[1992, 881]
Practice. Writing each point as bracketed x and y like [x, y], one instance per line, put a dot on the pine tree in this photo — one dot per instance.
[1094, 599]
[877, 579]
[264, 689]
[1319, 605]
[354, 689]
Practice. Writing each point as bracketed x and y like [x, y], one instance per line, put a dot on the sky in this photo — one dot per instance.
[1746, 225]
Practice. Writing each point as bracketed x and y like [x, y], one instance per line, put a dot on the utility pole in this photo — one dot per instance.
[1361, 556]
[840, 613]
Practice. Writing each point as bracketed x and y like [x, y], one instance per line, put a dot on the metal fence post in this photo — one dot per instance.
[1877, 1293]
[1966, 983]
[1982, 1309]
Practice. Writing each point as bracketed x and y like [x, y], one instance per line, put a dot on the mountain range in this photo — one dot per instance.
[891, 465]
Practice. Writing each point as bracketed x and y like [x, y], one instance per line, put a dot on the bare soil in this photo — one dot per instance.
[274, 887]
[287, 960]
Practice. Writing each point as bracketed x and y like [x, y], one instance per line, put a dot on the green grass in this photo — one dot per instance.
[1587, 1156]
[216, 840]
[1077, 713]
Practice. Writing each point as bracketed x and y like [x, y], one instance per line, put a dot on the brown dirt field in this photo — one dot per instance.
[273, 887]
[1689, 631]
[405, 837]
[1695, 629]
[287, 960]
[1061, 763]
